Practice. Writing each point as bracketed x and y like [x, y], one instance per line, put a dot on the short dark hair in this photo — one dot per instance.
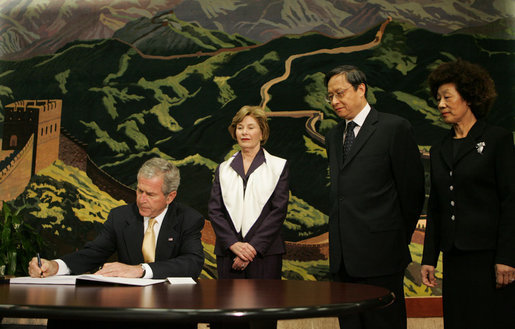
[257, 113]
[472, 82]
[353, 75]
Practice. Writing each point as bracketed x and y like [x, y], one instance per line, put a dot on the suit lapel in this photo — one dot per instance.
[167, 234]
[447, 150]
[364, 134]
[469, 144]
[338, 143]
[133, 235]
[470, 141]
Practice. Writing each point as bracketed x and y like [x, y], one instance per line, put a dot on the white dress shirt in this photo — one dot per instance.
[359, 119]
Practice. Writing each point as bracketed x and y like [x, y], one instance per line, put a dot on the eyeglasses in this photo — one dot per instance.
[339, 94]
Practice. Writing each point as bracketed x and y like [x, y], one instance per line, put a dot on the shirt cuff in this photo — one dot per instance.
[63, 268]
[148, 271]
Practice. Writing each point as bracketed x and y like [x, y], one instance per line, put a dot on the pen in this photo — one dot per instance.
[39, 263]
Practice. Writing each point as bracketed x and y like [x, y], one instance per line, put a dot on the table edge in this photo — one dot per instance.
[196, 315]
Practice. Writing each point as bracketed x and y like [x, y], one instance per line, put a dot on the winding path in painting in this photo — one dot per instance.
[314, 116]
[265, 97]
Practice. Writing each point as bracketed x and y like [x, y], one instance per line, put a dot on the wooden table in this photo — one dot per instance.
[235, 301]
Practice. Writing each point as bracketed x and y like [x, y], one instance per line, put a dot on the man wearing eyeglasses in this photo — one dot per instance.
[377, 193]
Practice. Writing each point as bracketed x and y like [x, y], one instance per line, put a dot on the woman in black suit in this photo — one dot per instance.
[471, 209]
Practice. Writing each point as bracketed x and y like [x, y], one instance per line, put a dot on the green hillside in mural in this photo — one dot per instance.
[67, 207]
[128, 105]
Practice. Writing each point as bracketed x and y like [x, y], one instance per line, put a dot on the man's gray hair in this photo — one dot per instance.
[158, 166]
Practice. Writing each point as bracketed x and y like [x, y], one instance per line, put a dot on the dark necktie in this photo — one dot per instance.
[349, 138]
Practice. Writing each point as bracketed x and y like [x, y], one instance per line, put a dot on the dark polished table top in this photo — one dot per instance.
[209, 300]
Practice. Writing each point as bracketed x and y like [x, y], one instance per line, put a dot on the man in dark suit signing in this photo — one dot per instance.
[155, 238]
[377, 193]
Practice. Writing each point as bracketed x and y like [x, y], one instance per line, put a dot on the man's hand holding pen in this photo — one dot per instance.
[42, 268]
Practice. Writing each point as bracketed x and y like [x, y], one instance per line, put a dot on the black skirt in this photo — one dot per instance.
[470, 297]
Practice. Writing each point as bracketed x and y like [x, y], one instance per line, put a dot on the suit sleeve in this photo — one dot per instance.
[189, 260]
[95, 252]
[272, 224]
[225, 234]
[505, 177]
[408, 174]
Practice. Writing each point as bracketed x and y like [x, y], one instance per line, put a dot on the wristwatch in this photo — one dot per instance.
[144, 271]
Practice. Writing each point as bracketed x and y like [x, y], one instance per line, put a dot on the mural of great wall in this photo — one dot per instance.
[33, 139]
[30, 142]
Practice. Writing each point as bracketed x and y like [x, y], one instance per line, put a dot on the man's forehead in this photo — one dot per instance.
[339, 78]
[152, 182]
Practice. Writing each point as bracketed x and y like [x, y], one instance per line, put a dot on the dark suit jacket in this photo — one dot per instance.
[179, 250]
[472, 199]
[265, 234]
[376, 196]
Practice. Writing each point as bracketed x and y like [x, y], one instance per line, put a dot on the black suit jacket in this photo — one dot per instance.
[472, 199]
[376, 196]
[179, 250]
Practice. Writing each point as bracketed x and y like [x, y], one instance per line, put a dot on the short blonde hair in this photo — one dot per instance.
[257, 113]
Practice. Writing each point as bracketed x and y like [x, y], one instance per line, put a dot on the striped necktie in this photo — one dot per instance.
[349, 138]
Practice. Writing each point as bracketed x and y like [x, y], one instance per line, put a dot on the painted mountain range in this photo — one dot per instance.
[127, 106]
[156, 84]
[32, 27]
